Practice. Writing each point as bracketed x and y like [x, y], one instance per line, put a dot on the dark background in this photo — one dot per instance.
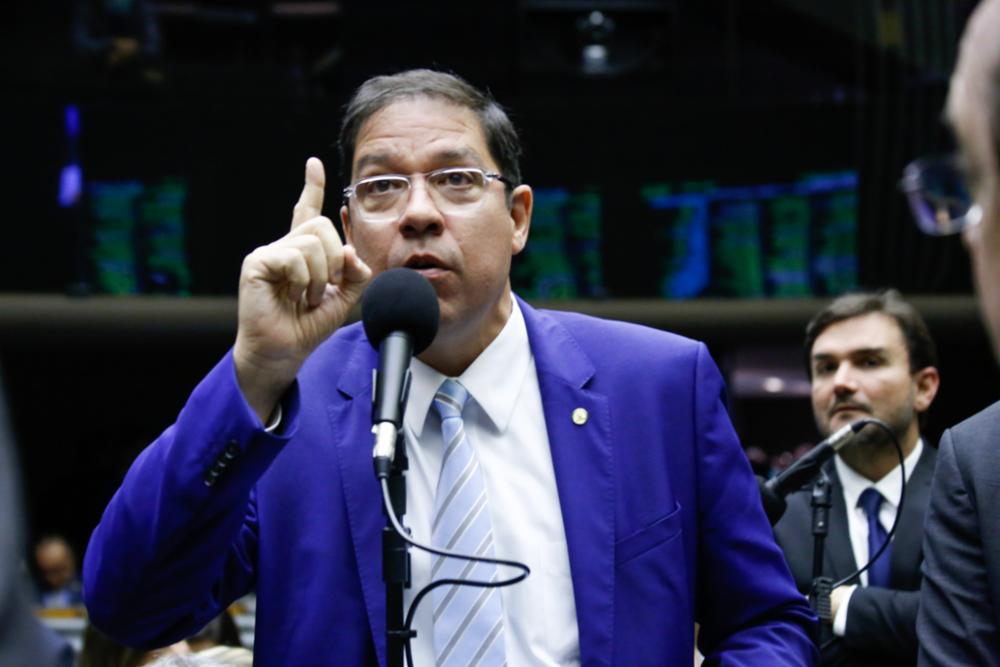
[711, 89]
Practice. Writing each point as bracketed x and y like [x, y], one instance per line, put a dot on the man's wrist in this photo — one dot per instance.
[262, 388]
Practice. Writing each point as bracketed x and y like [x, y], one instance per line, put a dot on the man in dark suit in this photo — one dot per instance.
[959, 620]
[869, 355]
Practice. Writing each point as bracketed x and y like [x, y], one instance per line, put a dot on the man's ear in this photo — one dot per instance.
[520, 214]
[926, 381]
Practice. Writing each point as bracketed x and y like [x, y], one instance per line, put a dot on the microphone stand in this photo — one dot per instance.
[396, 561]
[819, 593]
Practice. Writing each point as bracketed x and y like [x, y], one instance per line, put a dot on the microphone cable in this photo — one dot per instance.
[404, 534]
[895, 522]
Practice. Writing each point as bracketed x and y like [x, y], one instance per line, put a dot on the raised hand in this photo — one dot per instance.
[294, 293]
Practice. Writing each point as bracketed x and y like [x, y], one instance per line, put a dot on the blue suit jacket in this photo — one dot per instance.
[662, 516]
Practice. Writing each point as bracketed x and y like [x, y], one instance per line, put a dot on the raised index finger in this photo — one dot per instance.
[310, 202]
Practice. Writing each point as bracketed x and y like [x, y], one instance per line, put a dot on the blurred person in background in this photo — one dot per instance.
[218, 638]
[58, 578]
[99, 650]
[868, 355]
[23, 639]
[959, 620]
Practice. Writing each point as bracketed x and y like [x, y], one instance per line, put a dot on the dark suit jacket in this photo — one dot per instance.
[881, 622]
[958, 622]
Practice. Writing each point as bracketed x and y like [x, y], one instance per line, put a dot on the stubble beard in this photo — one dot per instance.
[873, 445]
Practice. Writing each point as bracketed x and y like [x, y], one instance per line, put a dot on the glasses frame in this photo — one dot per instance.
[912, 185]
[351, 190]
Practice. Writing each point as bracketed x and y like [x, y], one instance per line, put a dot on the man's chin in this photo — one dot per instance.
[841, 419]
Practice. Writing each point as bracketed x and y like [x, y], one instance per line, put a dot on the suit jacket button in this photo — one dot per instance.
[211, 477]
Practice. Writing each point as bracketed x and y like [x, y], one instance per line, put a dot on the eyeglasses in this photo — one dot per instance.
[939, 198]
[454, 190]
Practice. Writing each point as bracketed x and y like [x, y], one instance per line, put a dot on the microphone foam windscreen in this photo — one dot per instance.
[400, 300]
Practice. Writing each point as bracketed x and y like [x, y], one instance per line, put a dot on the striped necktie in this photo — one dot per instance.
[468, 620]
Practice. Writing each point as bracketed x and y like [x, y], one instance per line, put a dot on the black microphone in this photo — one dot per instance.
[797, 475]
[400, 314]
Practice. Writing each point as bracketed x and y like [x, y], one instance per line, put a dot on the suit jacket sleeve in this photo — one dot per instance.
[883, 621]
[177, 542]
[747, 604]
[955, 622]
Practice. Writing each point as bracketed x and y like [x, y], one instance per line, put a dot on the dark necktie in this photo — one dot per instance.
[878, 574]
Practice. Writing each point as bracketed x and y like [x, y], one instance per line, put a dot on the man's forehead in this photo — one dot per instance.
[979, 46]
[425, 128]
[868, 332]
[978, 59]
[54, 551]
[957, 108]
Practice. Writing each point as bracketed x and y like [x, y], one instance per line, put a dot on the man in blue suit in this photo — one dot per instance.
[604, 450]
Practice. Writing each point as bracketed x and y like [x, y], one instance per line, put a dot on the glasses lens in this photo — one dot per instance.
[381, 198]
[938, 196]
[457, 187]
[455, 190]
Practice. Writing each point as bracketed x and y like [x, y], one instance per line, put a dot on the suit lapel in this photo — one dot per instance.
[906, 545]
[583, 461]
[839, 561]
[350, 422]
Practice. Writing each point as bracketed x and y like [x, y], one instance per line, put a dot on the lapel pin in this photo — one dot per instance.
[580, 416]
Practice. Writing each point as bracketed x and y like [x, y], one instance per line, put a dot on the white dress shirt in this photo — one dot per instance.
[853, 485]
[505, 425]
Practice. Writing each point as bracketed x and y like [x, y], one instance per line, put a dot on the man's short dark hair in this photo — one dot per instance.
[919, 344]
[379, 92]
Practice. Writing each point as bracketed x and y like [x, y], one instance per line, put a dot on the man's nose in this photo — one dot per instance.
[845, 379]
[421, 215]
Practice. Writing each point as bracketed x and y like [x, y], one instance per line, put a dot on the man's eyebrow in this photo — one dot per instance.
[858, 351]
[868, 350]
[465, 156]
[459, 155]
[371, 159]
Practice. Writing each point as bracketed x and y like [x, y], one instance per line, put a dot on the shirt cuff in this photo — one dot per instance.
[840, 620]
[275, 421]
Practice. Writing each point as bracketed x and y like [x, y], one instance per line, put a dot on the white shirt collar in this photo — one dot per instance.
[493, 379]
[855, 483]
